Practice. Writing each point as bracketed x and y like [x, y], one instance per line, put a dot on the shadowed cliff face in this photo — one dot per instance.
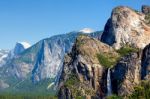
[131, 71]
[146, 62]
[126, 26]
[135, 67]
[82, 71]
[145, 9]
[126, 74]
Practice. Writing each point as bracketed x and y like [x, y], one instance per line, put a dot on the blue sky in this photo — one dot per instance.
[33, 20]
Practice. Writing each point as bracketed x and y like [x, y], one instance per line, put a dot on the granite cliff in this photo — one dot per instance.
[83, 74]
[126, 26]
[116, 64]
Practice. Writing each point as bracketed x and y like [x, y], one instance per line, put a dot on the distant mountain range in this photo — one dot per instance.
[39, 62]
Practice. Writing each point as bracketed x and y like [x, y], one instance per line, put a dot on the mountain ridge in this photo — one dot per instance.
[78, 65]
[126, 33]
[41, 61]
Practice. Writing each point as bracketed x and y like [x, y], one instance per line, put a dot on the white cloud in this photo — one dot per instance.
[87, 30]
[25, 44]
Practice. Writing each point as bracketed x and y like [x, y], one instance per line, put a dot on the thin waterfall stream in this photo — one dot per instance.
[109, 87]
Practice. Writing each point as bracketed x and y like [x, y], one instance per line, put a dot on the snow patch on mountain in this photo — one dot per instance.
[2, 60]
[3, 57]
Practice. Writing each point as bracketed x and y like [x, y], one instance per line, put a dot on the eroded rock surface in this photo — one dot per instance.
[126, 26]
[126, 74]
[82, 65]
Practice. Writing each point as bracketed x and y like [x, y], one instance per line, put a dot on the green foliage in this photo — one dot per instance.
[25, 96]
[80, 97]
[147, 18]
[117, 10]
[126, 50]
[73, 84]
[27, 88]
[142, 91]
[114, 97]
[72, 80]
[79, 40]
[107, 60]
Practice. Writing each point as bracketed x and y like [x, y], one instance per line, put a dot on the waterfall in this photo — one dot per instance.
[109, 87]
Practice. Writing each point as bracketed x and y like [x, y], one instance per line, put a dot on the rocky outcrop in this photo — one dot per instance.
[38, 63]
[146, 9]
[126, 74]
[65, 93]
[44, 59]
[20, 47]
[128, 33]
[126, 26]
[146, 63]
[8, 56]
[82, 74]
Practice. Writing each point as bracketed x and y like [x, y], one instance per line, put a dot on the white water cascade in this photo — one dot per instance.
[109, 87]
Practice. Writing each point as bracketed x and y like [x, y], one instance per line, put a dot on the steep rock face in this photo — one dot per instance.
[51, 54]
[6, 55]
[20, 47]
[83, 75]
[126, 74]
[126, 26]
[49, 59]
[145, 9]
[42, 60]
[146, 62]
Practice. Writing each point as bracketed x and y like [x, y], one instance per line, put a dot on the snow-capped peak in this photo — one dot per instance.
[24, 44]
[86, 30]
